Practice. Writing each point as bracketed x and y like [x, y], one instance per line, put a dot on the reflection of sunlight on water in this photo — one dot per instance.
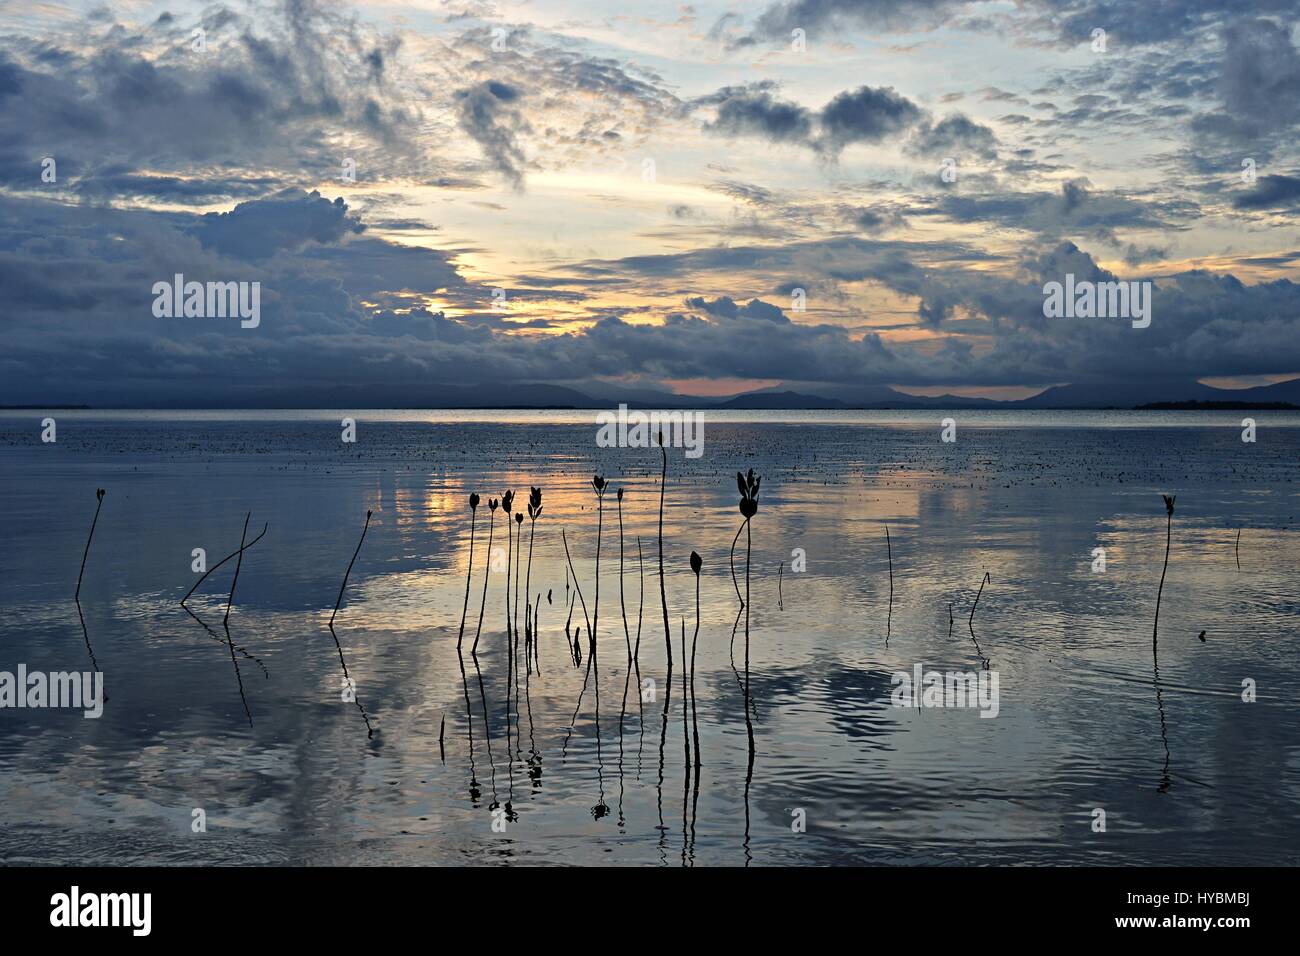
[1078, 725]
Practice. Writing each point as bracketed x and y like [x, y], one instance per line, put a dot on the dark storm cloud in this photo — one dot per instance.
[1146, 23]
[76, 294]
[121, 182]
[815, 16]
[343, 309]
[754, 111]
[1256, 82]
[260, 96]
[10, 78]
[287, 220]
[1203, 325]
[955, 135]
[1228, 77]
[1260, 78]
[426, 326]
[874, 219]
[863, 115]
[137, 114]
[489, 114]
[1064, 22]
[1271, 192]
[724, 307]
[1074, 209]
[580, 108]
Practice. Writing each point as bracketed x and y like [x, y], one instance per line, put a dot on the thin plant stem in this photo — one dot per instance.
[370, 732]
[528, 577]
[214, 567]
[695, 704]
[519, 531]
[510, 544]
[76, 597]
[636, 649]
[348, 572]
[595, 613]
[748, 542]
[225, 622]
[622, 604]
[748, 725]
[735, 583]
[239, 563]
[576, 586]
[686, 705]
[1155, 628]
[487, 573]
[99, 503]
[663, 594]
[636, 655]
[970, 623]
[686, 740]
[469, 573]
[590, 657]
[889, 622]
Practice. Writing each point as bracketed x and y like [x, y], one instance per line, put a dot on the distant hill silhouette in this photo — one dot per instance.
[542, 395]
[1080, 396]
[1148, 393]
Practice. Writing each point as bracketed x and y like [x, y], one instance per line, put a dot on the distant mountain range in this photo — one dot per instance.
[1126, 396]
[1057, 397]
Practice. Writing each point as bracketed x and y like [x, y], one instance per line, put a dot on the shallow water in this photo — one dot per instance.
[1192, 774]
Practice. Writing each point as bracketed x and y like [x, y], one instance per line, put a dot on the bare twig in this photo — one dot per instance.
[348, 572]
[696, 564]
[663, 594]
[971, 622]
[1169, 523]
[469, 572]
[232, 554]
[99, 503]
[576, 586]
[487, 573]
[622, 604]
[342, 663]
[239, 562]
[76, 597]
[889, 621]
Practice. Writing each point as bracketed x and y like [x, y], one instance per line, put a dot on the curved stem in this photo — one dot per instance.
[469, 573]
[99, 503]
[627, 635]
[487, 573]
[219, 563]
[695, 701]
[1169, 521]
[663, 595]
[734, 583]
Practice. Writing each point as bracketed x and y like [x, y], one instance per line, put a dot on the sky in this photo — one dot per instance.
[700, 198]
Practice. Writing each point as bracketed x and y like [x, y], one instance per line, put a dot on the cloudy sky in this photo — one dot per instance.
[705, 198]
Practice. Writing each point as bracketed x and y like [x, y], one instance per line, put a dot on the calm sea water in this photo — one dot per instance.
[260, 737]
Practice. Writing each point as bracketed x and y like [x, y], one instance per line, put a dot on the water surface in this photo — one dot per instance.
[1192, 774]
